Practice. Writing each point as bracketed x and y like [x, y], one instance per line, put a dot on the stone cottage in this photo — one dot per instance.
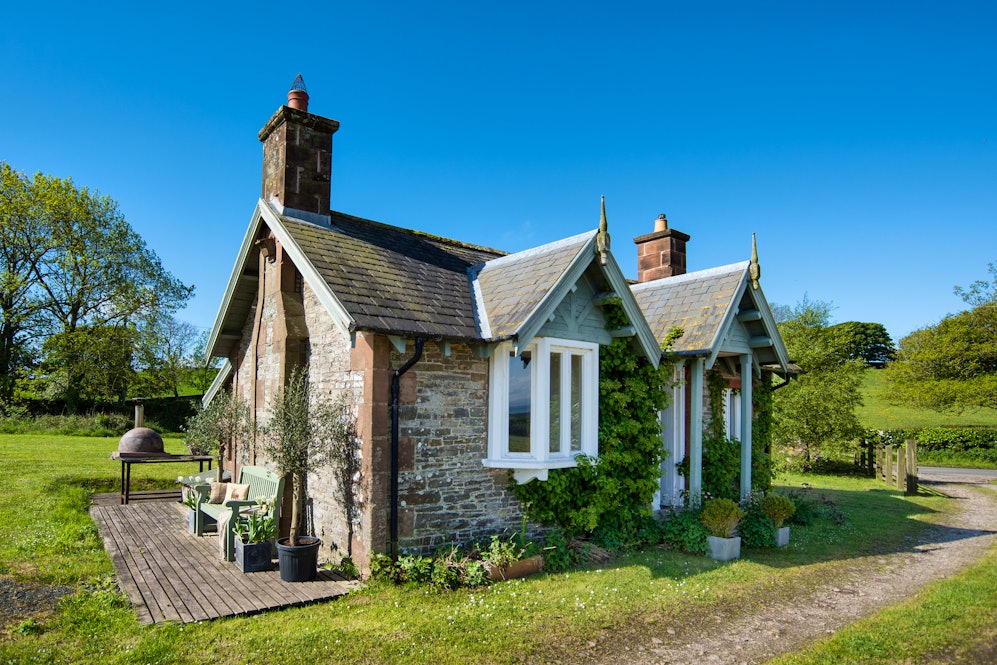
[465, 364]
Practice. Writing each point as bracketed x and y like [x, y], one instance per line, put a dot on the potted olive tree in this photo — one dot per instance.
[224, 420]
[721, 517]
[300, 437]
[779, 508]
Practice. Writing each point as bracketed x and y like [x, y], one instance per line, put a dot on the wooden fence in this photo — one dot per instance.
[892, 466]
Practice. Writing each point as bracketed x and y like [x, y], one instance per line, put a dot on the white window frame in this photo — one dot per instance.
[732, 414]
[537, 462]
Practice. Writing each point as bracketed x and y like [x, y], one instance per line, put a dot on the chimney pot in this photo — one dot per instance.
[297, 96]
[661, 223]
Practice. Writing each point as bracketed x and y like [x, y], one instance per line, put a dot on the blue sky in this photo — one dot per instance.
[857, 139]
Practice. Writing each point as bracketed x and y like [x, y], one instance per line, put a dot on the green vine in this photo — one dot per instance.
[609, 497]
[761, 434]
[716, 384]
[721, 455]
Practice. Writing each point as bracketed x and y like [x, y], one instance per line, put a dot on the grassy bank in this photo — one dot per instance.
[48, 538]
[877, 412]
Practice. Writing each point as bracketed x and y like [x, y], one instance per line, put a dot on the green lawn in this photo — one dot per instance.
[878, 413]
[47, 537]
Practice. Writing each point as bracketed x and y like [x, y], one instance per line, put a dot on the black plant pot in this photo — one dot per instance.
[298, 563]
[253, 557]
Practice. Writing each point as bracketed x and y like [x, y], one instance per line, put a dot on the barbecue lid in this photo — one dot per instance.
[140, 442]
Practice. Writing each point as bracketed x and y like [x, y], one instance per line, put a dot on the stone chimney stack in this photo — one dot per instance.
[297, 157]
[662, 253]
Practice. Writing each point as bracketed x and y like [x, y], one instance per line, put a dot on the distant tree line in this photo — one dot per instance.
[86, 308]
[952, 364]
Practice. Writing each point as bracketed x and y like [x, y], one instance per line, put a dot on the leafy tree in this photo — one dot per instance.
[89, 363]
[203, 368]
[23, 244]
[952, 364]
[816, 412]
[980, 292]
[70, 265]
[165, 353]
[868, 341]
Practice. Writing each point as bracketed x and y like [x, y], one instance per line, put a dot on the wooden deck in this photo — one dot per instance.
[172, 575]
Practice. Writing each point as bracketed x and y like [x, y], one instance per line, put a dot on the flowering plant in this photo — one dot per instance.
[257, 525]
[188, 496]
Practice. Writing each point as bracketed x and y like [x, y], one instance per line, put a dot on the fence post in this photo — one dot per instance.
[870, 458]
[911, 466]
[888, 464]
[901, 469]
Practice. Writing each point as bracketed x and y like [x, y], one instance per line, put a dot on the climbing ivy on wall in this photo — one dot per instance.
[721, 456]
[609, 497]
[761, 434]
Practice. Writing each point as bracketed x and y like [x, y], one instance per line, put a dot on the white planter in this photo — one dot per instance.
[724, 549]
[782, 536]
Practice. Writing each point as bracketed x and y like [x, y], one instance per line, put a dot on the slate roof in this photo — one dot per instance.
[696, 302]
[509, 289]
[381, 278]
[394, 280]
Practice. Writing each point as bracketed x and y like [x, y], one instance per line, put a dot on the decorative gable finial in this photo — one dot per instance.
[754, 269]
[602, 238]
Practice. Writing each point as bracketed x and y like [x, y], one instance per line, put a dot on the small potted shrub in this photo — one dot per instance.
[254, 534]
[504, 559]
[779, 508]
[721, 517]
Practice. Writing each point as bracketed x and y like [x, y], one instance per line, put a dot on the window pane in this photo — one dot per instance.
[555, 402]
[519, 403]
[576, 403]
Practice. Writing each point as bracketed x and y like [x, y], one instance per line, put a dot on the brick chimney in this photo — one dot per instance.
[297, 157]
[662, 253]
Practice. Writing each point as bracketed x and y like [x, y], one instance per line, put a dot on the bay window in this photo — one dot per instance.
[543, 406]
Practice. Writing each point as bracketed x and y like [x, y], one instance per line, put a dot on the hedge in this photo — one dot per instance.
[967, 446]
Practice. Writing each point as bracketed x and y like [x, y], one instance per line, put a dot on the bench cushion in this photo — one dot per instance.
[236, 491]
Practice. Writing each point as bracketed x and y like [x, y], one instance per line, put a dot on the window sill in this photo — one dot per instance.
[525, 470]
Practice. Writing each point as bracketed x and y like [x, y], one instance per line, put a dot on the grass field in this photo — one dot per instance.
[47, 537]
[878, 413]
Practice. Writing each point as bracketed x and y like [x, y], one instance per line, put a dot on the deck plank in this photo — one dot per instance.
[169, 574]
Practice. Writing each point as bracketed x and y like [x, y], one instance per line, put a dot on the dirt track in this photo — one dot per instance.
[942, 550]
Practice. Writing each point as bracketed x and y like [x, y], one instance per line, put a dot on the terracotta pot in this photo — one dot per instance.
[521, 568]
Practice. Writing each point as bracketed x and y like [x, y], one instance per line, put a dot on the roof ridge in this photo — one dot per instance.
[540, 249]
[689, 276]
[418, 234]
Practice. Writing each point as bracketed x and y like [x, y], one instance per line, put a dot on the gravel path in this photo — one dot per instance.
[782, 627]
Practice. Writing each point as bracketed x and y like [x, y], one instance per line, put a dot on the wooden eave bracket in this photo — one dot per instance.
[398, 342]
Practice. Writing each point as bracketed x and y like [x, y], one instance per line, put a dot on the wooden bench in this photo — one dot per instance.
[264, 485]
